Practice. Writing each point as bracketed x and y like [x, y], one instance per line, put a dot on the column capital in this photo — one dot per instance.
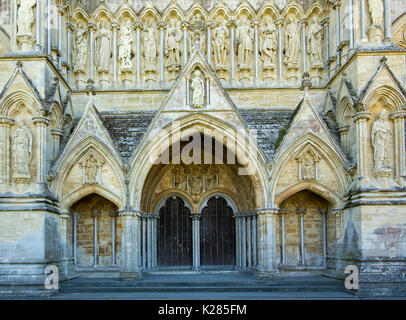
[161, 25]
[397, 115]
[55, 132]
[267, 211]
[336, 4]
[343, 129]
[282, 211]
[231, 24]
[40, 121]
[113, 214]
[325, 21]
[138, 25]
[185, 25]
[96, 213]
[76, 214]
[301, 211]
[129, 213]
[362, 115]
[92, 27]
[209, 24]
[196, 216]
[337, 211]
[61, 10]
[115, 25]
[6, 121]
[279, 22]
[70, 27]
[303, 22]
[255, 23]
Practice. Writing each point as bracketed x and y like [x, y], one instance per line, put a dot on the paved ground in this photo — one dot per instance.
[239, 287]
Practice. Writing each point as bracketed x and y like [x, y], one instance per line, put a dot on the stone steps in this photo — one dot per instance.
[218, 283]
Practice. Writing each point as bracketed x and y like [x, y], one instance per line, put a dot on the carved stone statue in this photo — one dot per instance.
[292, 42]
[198, 28]
[269, 44]
[245, 44]
[150, 47]
[25, 20]
[91, 170]
[22, 153]
[308, 167]
[172, 47]
[376, 10]
[196, 180]
[80, 48]
[381, 136]
[103, 48]
[124, 47]
[315, 45]
[220, 47]
[197, 90]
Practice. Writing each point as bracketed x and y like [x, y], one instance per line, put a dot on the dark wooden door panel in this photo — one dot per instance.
[174, 234]
[217, 234]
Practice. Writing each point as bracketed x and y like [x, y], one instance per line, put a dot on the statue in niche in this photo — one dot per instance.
[179, 178]
[196, 180]
[197, 89]
[245, 47]
[25, 20]
[91, 170]
[308, 167]
[22, 153]
[220, 47]
[198, 28]
[211, 178]
[292, 43]
[315, 45]
[381, 135]
[269, 44]
[150, 48]
[376, 10]
[80, 48]
[124, 47]
[103, 48]
[172, 47]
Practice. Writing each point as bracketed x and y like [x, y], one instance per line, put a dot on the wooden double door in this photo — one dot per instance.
[175, 234]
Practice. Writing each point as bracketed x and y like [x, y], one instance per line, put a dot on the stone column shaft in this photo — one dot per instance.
[279, 24]
[144, 242]
[231, 25]
[60, 14]
[41, 124]
[256, 48]
[113, 216]
[92, 28]
[56, 138]
[237, 241]
[138, 27]
[149, 243]
[161, 27]
[267, 237]
[196, 240]
[38, 26]
[49, 30]
[5, 124]
[361, 119]
[351, 22]
[95, 215]
[154, 243]
[388, 21]
[130, 266]
[399, 142]
[363, 23]
[15, 5]
[304, 48]
[75, 237]
[115, 27]
[283, 238]
[249, 242]
[254, 239]
[209, 43]
[338, 31]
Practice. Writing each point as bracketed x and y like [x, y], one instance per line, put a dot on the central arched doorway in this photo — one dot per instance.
[217, 234]
[174, 234]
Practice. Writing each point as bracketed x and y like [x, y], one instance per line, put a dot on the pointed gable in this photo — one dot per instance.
[217, 102]
[90, 125]
[307, 120]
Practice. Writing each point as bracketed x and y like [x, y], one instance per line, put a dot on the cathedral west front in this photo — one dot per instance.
[258, 136]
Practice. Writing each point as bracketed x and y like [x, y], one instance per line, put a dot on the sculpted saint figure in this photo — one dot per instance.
[80, 48]
[172, 48]
[291, 43]
[91, 170]
[22, 152]
[308, 167]
[124, 47]
[245, 46]
[197, 89]
[150, 48]
[103, 48]
[376, 10]
[220, 46]
[25, 17]
[381, 137]
[269, 44]
[314, 46]
[198, 28]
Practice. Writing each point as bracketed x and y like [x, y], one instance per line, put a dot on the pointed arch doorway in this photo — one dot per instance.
[174, 234]
[217, 234]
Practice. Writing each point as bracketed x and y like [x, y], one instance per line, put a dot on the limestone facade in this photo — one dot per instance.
[290, 113]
